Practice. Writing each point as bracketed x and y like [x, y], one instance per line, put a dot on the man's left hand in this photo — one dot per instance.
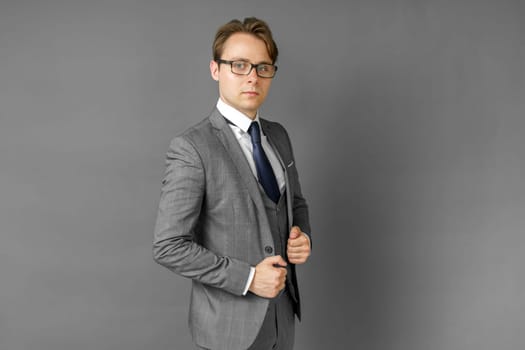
[298, 249]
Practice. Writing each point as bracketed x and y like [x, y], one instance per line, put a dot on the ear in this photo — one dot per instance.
[214, 70]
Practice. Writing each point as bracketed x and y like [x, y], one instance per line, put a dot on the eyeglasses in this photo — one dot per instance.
[263, 70]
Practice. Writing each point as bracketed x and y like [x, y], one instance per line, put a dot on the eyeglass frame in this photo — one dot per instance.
[219, 61]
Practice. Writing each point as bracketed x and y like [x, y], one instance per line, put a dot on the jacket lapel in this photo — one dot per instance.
[233, 149]
[270, 135]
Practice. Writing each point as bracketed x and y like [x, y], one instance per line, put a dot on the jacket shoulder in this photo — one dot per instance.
[200, 134]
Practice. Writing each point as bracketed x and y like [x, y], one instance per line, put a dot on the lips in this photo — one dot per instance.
[250, 93]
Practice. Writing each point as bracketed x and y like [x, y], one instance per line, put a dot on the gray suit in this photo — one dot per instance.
[212, 226]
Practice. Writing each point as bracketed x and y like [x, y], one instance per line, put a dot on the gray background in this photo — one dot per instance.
[406, 118]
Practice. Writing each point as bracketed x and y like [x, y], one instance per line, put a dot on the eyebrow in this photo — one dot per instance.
[247, 60]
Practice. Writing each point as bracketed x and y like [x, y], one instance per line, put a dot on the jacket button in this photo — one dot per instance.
[268, 249]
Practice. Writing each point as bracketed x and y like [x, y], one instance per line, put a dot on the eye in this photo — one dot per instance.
[264, 68]
[240, 65]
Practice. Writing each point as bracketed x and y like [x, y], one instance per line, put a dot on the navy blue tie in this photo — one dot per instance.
[262, 164]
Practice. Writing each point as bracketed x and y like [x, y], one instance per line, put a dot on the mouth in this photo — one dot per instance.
[250, 93]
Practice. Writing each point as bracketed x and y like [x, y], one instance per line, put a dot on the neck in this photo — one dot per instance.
[250, 115]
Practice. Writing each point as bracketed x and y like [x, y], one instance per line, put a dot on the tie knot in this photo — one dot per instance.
[254, 132]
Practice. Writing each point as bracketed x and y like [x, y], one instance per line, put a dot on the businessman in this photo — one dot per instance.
[232, 217]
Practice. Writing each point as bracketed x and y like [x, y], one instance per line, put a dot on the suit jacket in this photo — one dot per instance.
[212, 227]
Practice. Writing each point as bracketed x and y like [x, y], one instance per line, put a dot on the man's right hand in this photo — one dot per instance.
[269, 278]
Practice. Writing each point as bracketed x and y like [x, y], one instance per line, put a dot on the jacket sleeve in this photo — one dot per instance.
[181, 202]
[300, 211]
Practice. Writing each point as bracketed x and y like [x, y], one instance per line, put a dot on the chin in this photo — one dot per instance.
[252, 105]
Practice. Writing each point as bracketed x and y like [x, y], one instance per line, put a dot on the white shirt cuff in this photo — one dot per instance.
[250, 279]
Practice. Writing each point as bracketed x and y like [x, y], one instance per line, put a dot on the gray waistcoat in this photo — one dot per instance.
[278, 219]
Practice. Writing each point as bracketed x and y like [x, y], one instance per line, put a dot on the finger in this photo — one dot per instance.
[298, 242]
[302, 257]
[296, 246]
[303, 254]
[297, 260]
[283, 273]
[297, 255]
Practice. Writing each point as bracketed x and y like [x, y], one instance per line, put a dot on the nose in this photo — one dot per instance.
[253, 77]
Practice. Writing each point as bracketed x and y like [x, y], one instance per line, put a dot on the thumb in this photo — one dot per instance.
[276, 260]
[295, 232]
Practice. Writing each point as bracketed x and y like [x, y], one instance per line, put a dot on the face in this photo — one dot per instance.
[245, 93]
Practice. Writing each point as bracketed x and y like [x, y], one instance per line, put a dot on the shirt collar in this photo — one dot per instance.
[236, 117]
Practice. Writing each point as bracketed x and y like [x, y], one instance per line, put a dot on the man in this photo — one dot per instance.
[231, 215]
